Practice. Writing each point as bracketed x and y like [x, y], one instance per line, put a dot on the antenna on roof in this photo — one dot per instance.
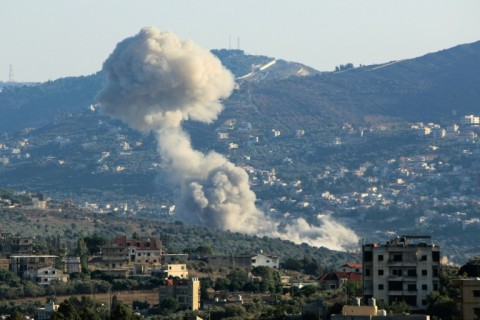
[229, 43]
[11, 78]
[238, 43]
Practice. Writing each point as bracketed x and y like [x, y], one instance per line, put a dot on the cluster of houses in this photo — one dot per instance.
[405, 268]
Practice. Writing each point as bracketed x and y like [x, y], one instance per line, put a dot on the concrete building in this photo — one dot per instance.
[72, 264]
[171, 271]
[187, 292]
[46, 312]
[123, 253]
[44, 276]
[337, 280]
[405, 268]
[469, 300]
[26, 266]
[10, 244]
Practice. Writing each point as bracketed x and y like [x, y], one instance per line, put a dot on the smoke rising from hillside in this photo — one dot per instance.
[154, 82]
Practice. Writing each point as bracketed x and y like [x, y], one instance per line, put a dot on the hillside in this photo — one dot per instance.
[36, 105]
[339, 144]
[435, 86]
[70, 223]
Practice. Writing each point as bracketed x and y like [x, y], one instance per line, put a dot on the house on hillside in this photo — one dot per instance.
[27, 266]
[336, 280]
[11, 244]
[46, 312]
[123, 254]
[171, 271]
[44, 276]
[185, 291]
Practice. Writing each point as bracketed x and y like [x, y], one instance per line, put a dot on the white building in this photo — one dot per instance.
[46, 275]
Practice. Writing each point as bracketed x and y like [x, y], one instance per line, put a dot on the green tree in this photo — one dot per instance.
[398, 306]
[471, 268]
[16, 315]
[237, 279]
[169, 305]
[353, 289]
[441, 306]
[94, 243]
[122, 312]
[68, 310]
[270, 278]
[82, 251]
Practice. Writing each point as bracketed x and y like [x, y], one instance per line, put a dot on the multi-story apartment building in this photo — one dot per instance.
[405, 268]
[187, 292]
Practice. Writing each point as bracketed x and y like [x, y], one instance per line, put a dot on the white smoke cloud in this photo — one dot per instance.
[154, 82]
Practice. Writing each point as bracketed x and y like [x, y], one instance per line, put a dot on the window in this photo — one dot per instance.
[367, 256]
[412, 273]
[380, 272]
[435, 286]
[424, 272]
[476, 293]
[395, 285]
[332, 286]
[397, 272]
[380, 287]
[412, 287]
[435, 272]
[423, 257]
[380, 257]
[436, 256]
[424, 287]
[367, 272]
[397, 257]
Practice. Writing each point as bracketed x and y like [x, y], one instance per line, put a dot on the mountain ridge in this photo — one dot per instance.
[412, 85]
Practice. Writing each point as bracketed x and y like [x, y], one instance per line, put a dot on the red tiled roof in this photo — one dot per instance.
[353, 265]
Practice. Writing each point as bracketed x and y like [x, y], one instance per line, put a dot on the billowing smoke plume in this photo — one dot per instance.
[154, 82]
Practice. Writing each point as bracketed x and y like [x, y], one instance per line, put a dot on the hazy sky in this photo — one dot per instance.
[49, 39]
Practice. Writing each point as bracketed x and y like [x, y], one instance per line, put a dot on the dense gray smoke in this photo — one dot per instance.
[154, 82]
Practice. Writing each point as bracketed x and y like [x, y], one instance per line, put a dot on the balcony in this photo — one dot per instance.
[402, 263]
